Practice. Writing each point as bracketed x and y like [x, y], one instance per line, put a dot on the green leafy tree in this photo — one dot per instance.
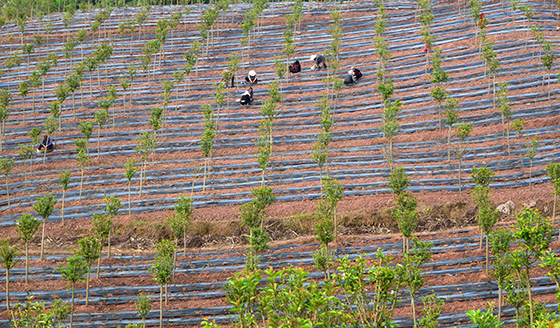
[439, 95]
[26, 152]
[27, 227]
[432, 311]
[406, 216]
[553, 172]
[130, 170]
[551, 263]
[500, 241]
[411, 271]
[101, 119]
[83, 160]
[74, 82]
[386, 279]
[64, 182]
[89, 250]
[320, 151]
[484, 319]
[146, 145]
[390, 128]
[326, 228]
[518, 125]
[5, 99]
[8, 257]
[463, 131]
[35, 82]
[162, 270]
[505, 110]
[487, 215]
[37, 315]
[74, 272]
[34, 135]
[206, 143]
[398, 181]
[533, 234]
[451, 117]
[156, 120]
[181, 219]
[112, 207]
[44, 206]
[102, 225]
[23, 89]
[532, 146]
[87, 129]
[253, 215]
[143, 305]
[6, 165]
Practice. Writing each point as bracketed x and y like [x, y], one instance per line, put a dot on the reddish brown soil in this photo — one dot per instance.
[217, 227]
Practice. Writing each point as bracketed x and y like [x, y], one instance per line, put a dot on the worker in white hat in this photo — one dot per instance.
[319, 62]
[251, 78]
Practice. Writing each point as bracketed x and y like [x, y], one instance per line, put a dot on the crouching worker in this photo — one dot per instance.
[47, 143]
[295, 67]
[251, 78]
[246, 97]
[353, 76]
[318, 62]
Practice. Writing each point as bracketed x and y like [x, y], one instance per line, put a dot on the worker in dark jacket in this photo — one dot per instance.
[246, 97]
[295, 67]
[47, 142]
[318, 62]
[353, 76]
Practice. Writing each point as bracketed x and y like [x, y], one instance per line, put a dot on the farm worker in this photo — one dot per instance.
[251, 78]
[246, 97]
[356, 74]
[353, 76]
[295, 67]
[47, 142]
[349, 80]
[319, 60]
[228, 75]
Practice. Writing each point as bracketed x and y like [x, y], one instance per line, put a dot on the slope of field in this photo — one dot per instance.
[356, 157]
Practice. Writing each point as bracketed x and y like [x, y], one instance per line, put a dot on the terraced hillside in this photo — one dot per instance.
[356, 158]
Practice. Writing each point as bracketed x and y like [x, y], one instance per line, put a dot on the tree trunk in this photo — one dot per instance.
[8, 191]
[8, 289]
[530, 178]
[160, 305]
[42, 240]
[460, 169]
[449, 144]
[129, 198]
[87, 286]
[109, 245]
[204, 176]
[72, 307]
[26, 262]
[499, 303]
[530, 300]
[99, 262]
[63, 194]
[81, 183]
[507, 137]
[486, 253]
[413, 308]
